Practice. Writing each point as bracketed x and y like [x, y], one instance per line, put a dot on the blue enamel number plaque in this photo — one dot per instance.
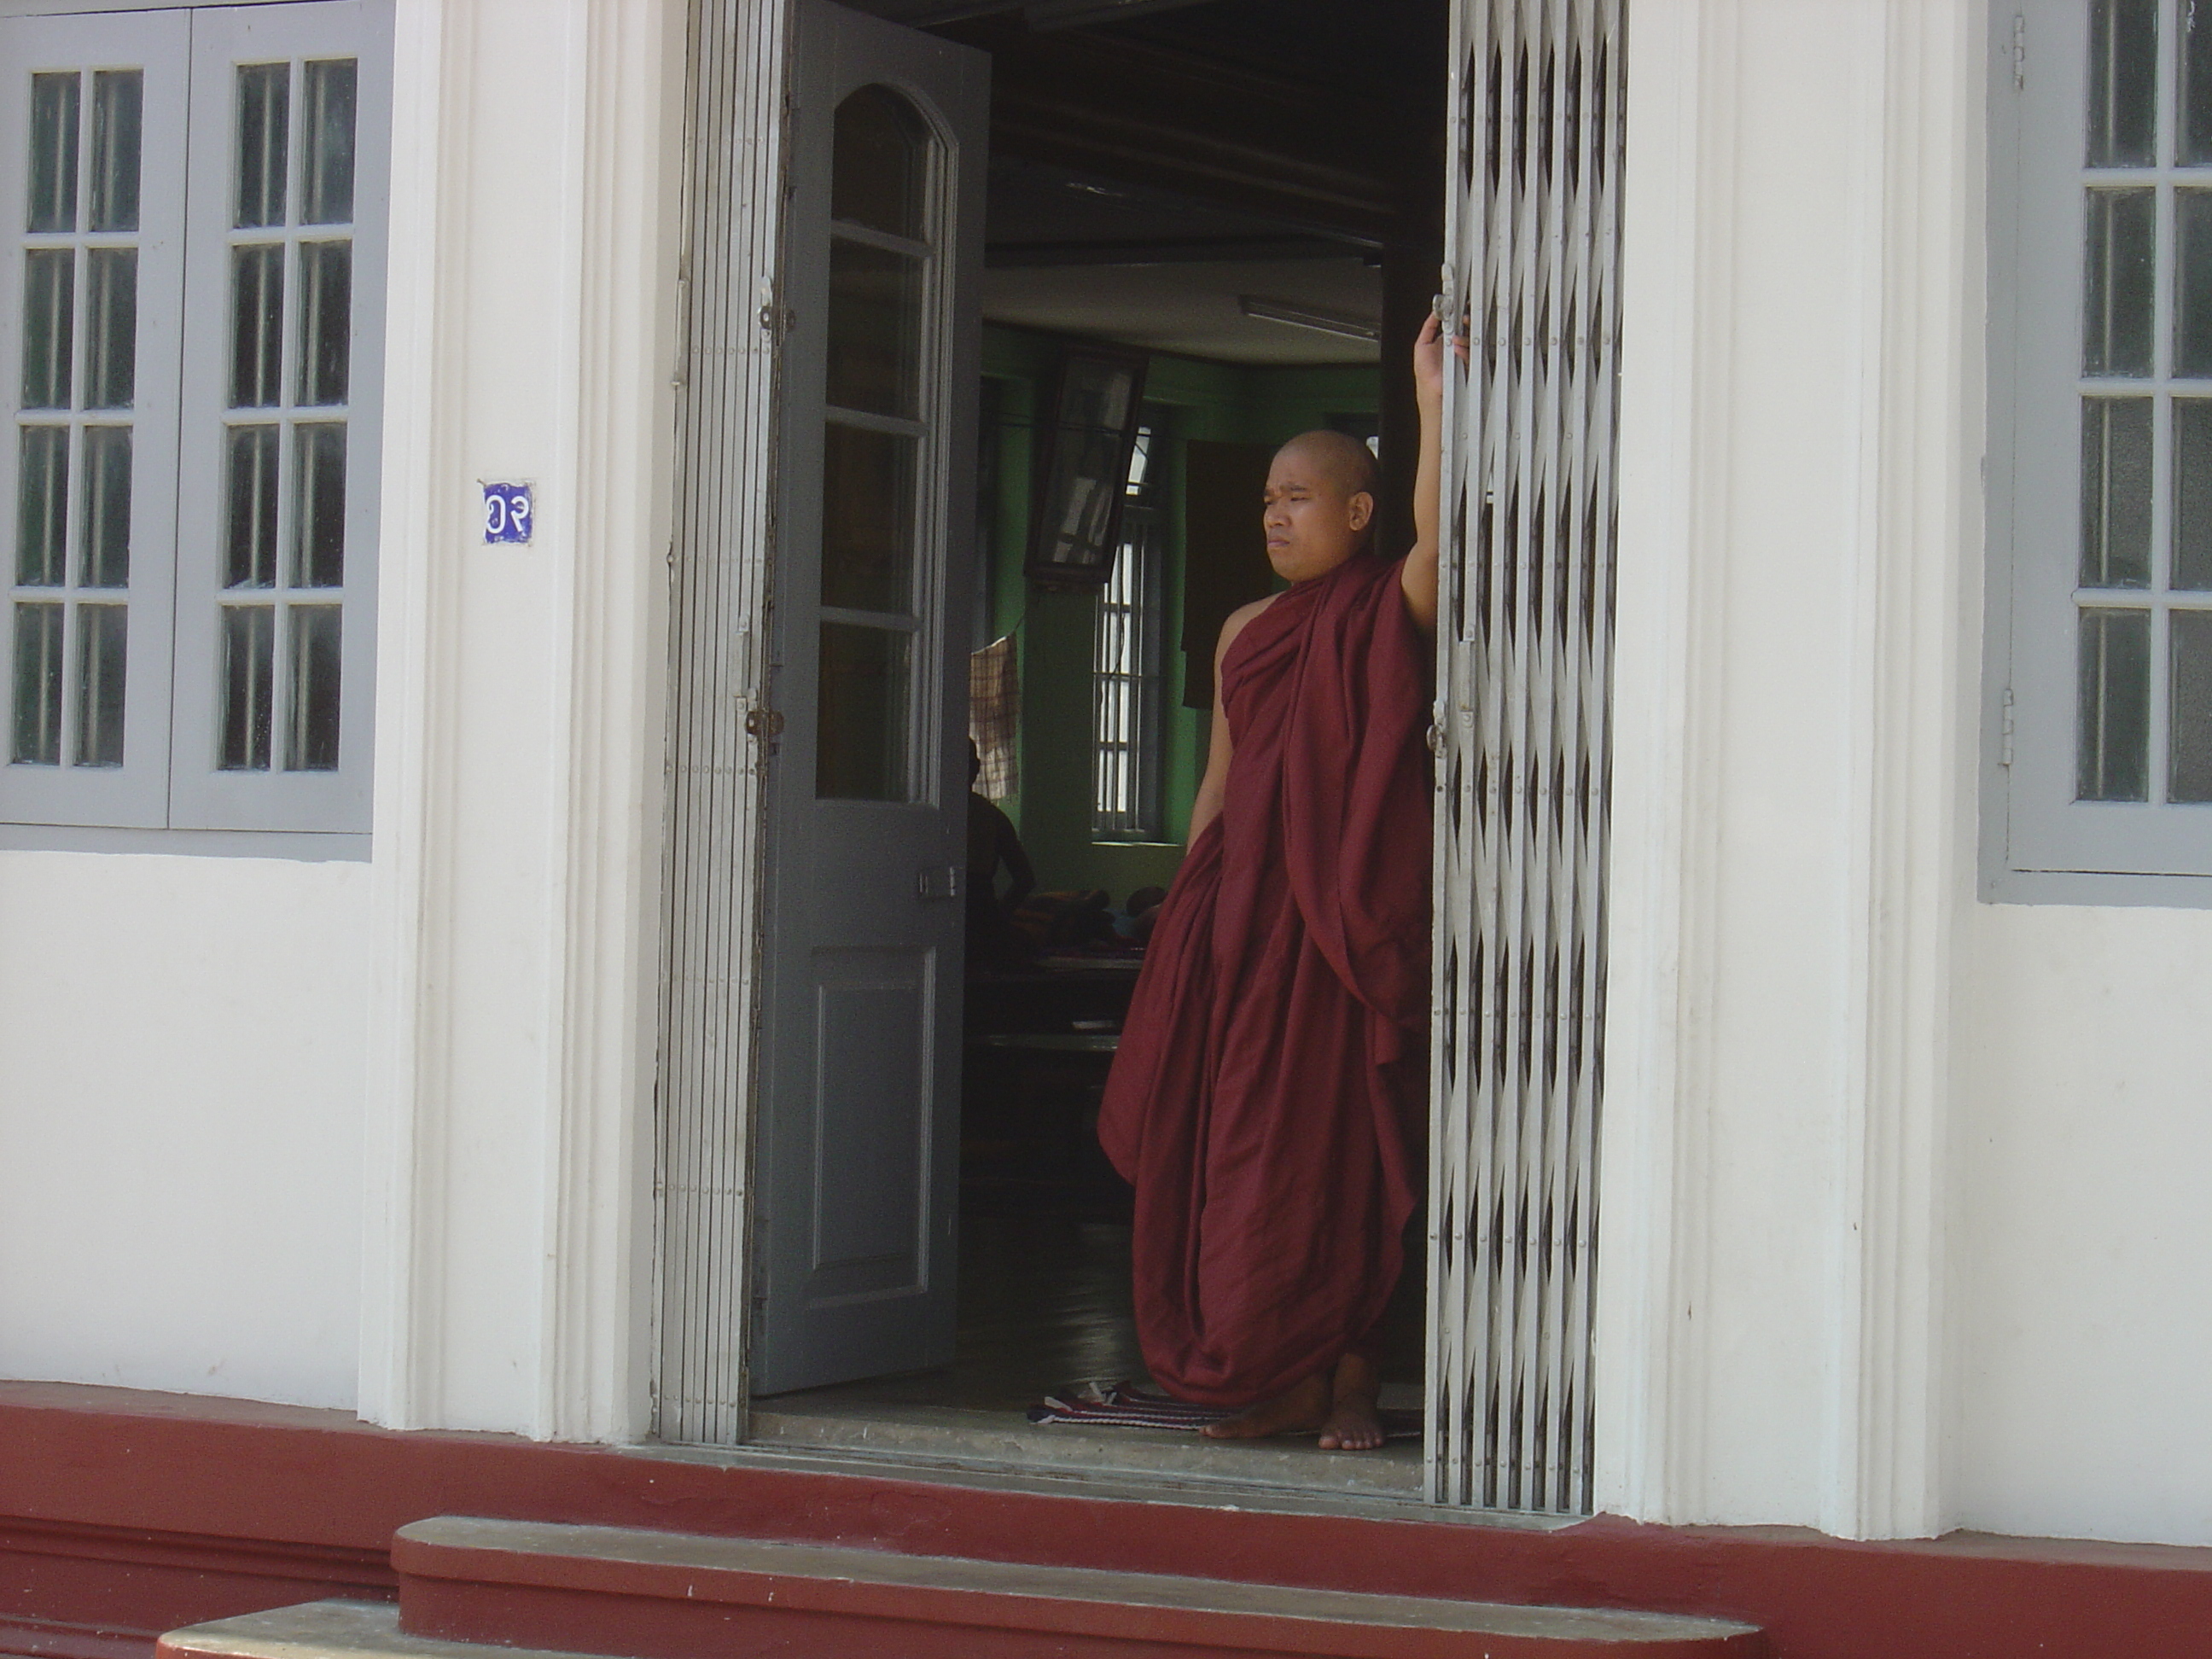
[506, 513]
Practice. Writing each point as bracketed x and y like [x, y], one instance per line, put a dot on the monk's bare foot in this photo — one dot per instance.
[1353, 1423]
[1292, 1411]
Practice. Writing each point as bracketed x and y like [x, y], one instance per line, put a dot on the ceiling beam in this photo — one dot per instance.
[1041, 15]
[1122, 109]
[1203, 250]
[928, 13]
[1046, 14]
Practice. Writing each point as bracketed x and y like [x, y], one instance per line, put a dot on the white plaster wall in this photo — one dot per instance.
[2082, 1241]
[1906, 1226]
[180, 1122]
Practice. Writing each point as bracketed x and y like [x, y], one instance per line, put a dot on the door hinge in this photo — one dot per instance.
[937, 881]
[2020, 51]
[763, 722]
[2004, 749]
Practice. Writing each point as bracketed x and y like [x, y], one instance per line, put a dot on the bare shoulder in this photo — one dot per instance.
[1237, 619]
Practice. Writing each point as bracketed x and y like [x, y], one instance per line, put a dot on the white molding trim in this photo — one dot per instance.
[1669, 610]
[1912, 774]
[1906, 94]
[417, 673]
[607, 265]
[598, 1220]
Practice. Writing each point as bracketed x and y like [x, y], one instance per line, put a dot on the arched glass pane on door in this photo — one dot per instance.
[879, 173]
[875, 447]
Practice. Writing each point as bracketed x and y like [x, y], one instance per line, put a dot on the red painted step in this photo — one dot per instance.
[670, 1595]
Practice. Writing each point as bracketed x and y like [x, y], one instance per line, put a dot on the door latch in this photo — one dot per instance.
[937, 881]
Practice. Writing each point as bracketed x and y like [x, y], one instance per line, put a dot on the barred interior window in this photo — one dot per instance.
[1126, 665]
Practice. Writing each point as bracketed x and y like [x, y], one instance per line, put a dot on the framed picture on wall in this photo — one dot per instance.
[1088, 433]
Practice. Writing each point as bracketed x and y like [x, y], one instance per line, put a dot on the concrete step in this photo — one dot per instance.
[321, 1630]
[668, 1596]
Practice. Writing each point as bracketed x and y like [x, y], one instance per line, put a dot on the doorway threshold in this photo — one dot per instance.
[947, 1465]
[1045, 1302]
[966, 1436]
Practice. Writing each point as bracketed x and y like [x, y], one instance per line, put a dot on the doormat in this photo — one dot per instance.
[1118, 1405]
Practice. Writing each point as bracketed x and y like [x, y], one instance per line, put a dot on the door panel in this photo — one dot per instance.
[874, 1035]
[859, 1141]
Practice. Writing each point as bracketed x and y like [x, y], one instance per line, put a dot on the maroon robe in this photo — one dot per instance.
[1269, 1084]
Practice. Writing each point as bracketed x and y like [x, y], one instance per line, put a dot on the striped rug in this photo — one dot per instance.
[1119, 1406]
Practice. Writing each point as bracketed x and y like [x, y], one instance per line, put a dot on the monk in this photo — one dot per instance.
[1269, 1088]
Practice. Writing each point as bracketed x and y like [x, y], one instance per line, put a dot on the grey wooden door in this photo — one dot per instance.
[859, 1115]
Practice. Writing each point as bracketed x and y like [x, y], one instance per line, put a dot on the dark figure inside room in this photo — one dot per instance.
[1267, 1097]
[994, 843]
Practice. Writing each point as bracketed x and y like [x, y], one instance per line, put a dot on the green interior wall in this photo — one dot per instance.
[1052, 808]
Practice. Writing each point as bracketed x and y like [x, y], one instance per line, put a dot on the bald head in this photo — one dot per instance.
[1345, 461]
[1321, 490]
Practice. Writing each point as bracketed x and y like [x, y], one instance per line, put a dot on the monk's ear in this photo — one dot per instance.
[1361, 510]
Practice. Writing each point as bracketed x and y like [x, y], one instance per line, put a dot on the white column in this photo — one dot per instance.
[536, 158]
[1798, 617]
[1668, 605]
[1918, 620]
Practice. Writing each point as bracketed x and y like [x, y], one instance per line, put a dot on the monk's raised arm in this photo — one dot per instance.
[1421, 572]
[1206, 806]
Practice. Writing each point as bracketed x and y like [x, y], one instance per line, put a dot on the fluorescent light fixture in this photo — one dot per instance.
[1312, 317]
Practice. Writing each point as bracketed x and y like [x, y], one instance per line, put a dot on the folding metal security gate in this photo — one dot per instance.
[1533, 236]
[718, 722]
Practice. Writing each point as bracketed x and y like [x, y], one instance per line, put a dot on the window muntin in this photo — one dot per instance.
[1127, 664]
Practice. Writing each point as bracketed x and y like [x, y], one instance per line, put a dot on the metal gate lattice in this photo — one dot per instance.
[1532, 234]
[719, 584]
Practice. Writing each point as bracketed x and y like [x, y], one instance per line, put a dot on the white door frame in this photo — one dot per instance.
[1493, 1440]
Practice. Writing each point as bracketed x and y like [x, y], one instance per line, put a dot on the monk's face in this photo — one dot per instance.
[1316, 519]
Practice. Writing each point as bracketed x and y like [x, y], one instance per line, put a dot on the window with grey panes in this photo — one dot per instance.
[194, 536]
[2101, 281]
